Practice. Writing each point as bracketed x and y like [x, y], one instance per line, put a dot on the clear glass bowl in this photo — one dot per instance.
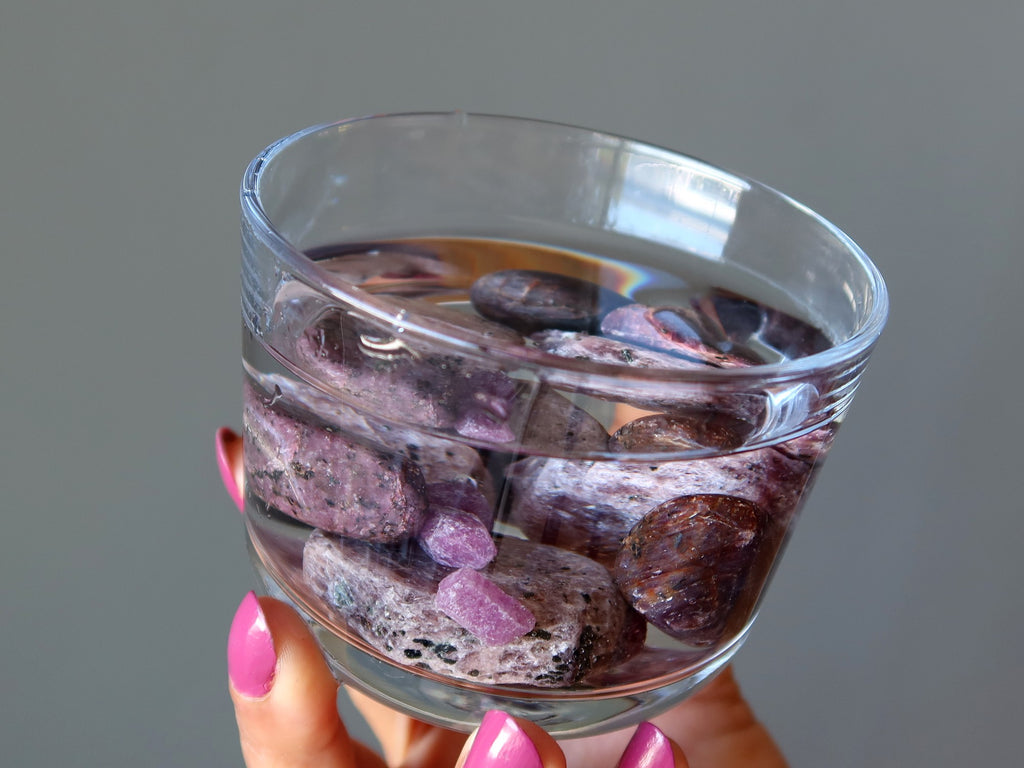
[530, 410]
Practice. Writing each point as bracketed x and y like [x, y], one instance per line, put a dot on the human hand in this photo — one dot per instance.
[285, 701]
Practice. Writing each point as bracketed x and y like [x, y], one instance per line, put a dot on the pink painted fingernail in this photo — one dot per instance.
[649, 748]
[251, 656]
[501, 743]
[227, 442]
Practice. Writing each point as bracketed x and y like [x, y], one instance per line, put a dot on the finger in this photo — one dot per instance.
[407, 742]
[229, 461]
[284, 694]
[649, 747]
[503, 741]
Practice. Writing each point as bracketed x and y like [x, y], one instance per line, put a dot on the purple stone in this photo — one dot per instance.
[461, 493]
[456, 539]
[532, 300]
[589, 506]
[673, 330]
[385, 263]
[747, 325]
[479, 605]
[650, 396]
[374, 370]
[555, 425]
[439, 458]
[483, 425]
[314, 474]
[491, 391]
[485, 403]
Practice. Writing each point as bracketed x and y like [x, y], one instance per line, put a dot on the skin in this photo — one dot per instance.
[297, 725]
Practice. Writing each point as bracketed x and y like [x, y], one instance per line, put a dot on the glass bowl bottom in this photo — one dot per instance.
[570, 714]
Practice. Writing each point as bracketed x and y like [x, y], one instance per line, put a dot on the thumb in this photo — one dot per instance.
[284, 695]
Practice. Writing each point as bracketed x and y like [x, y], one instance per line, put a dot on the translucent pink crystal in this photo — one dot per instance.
[456, 539]
[478, 604]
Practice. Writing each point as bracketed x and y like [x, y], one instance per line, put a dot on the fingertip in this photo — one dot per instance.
[649, 747]
[503, 741]
[252, 658]
[229, 462]
[285, 696]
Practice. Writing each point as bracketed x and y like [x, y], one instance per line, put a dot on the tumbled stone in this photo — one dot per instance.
[448, 320]
[748, 324]
[681, 431]
[589, 506]
[811, 447]
[316, 475]
[478, 604]
[384, 373]
[677, 331]
[647, 395]
[461, 493]
[386, 596]
[377, 372]
[456, 539]
[533, 300]
[373, 263]
[484, 405]
[556, 425]
[440, 459]
[684, 565]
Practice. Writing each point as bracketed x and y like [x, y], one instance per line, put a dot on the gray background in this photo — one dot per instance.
[891, 635]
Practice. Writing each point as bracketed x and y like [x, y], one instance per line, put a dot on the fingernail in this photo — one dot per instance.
[649, 748]
[501, 743]
[251, 656]
[227, 442]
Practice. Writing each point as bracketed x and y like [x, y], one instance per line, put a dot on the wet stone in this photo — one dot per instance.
[373, 368]
[463, 494]
[681, 431]
[533, 300]
[440, 459]
[749, 325]
[372, 264]
[479, 605]
[447, 319]
[456, 539]
[652, 396]
[387, 596]
[590, 506]
[554, 424]
[314, 474]
[683, 566]
[675, 330]
[485, 402]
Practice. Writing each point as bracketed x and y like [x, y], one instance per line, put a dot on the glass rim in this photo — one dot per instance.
[568, 370]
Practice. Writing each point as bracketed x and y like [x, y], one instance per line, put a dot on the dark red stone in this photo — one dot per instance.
[532, 300]
[684, 565]
[698, 428]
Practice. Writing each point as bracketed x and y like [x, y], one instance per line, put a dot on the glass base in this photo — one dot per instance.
[450, 705]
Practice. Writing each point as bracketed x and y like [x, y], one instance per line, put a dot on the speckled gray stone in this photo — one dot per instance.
[386, 595]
